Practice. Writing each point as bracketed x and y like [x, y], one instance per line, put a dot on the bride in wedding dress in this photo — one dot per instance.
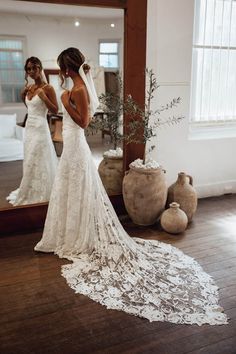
[40, 159]
[144, 278]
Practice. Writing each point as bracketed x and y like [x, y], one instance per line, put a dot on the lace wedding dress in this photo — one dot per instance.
[40, 159]
[145, 278]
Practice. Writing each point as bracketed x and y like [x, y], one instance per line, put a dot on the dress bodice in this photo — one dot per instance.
[69, 125]
[36, 107]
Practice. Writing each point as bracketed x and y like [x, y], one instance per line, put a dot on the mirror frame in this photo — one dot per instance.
[31, 217]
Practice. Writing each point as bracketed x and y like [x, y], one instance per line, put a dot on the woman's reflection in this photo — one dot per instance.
[40, 160]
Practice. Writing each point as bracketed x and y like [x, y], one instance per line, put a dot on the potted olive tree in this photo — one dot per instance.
[144, 185]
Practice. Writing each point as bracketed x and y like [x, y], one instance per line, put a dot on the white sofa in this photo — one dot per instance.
[11, 139]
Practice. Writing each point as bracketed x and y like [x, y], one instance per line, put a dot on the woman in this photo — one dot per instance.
[40, 159]
[145, 278]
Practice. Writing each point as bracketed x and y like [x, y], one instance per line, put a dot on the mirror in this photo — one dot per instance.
[94, 30]
[134, 80]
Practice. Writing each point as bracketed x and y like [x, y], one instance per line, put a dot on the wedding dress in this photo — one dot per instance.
[40, 159]
[145, 278]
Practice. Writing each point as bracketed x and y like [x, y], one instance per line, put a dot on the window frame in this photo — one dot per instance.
[110, 40]
[216, 125]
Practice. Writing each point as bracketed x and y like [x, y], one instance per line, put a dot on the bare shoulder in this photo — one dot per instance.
[80, 92]
[48, 88]
[79, 89]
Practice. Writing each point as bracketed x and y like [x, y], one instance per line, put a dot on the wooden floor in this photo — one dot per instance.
[39, 313]
[10, 177]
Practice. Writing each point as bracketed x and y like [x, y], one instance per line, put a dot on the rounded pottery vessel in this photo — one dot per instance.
[144, 193]
[183, 193]
[110, 170]
[174, 220]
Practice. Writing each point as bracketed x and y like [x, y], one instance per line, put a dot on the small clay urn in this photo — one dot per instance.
[183, 193]
[174, 220]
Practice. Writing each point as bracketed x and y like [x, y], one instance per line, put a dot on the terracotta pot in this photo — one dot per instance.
[111, 172]
[182, 192]
[144, 193]
[174, 220]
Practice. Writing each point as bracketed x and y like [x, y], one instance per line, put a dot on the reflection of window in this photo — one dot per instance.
[52, 76]
[214, 62]
[11, 68]
[109, 54]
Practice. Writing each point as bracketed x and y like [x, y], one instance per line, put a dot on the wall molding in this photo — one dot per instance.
[174, 83]
[216, 189]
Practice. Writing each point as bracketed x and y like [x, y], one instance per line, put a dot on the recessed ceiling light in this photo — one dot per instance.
[112, 25]
[77, 23]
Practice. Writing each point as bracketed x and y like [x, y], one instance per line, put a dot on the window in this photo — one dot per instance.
[213, 86]
[11, 68]
[109, 54]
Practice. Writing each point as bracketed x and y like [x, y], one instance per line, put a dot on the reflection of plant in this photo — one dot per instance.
[94, 126]
[146, 120]
[112, 106]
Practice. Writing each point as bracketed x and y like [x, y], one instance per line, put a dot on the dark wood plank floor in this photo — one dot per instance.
[10, 177]
[39, 313]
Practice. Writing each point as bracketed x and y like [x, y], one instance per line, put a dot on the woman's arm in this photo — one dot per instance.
[48, 95]
[79, 114]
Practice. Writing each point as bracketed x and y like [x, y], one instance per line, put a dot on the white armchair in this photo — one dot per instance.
[11, 139]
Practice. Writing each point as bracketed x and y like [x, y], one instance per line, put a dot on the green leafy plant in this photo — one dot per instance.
[147, 120]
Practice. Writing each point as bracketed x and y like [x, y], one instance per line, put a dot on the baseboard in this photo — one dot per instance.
[216, 189]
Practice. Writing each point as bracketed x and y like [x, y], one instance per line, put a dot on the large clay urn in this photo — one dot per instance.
[144, 193]
[183, 193]
[174, 220]
[111, 172]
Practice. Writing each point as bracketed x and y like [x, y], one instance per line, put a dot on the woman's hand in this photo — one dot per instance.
[65, 98]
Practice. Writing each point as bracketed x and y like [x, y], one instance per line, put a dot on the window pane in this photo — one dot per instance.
[17, 94]
[11, 69]
[108, 60]
[108, 47]
[10, 44]
[213, 83]
[7, 94]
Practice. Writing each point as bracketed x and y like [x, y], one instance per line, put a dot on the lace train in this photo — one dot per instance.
[144, 278]
[158, 282]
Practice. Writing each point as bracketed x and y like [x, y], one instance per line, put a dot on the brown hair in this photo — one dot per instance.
[35, 61]
[71, 58]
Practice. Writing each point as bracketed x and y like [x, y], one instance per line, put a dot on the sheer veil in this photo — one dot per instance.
[88, 80]
[44, 76]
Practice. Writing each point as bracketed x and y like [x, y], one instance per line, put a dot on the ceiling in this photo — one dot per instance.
[58, 10]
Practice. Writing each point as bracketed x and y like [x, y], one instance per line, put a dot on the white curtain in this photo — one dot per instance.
[213, 84]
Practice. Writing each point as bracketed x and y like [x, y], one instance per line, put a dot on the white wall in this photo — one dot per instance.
[211, 162]
[46, 37]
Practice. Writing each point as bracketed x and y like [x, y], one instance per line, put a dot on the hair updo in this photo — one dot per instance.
[71, 58]
[35, 61]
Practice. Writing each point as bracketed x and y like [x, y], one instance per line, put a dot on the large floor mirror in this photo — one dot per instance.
[112, 35]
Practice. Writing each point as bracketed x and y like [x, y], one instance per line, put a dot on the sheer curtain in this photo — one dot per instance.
[11, 68]
[213, 84]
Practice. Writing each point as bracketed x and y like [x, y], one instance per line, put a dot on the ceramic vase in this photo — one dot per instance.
[144, 193]
[111, 173]
[174, 220]
[183, 193]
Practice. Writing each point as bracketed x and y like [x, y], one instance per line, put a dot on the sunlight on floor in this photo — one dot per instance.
[228, 224]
